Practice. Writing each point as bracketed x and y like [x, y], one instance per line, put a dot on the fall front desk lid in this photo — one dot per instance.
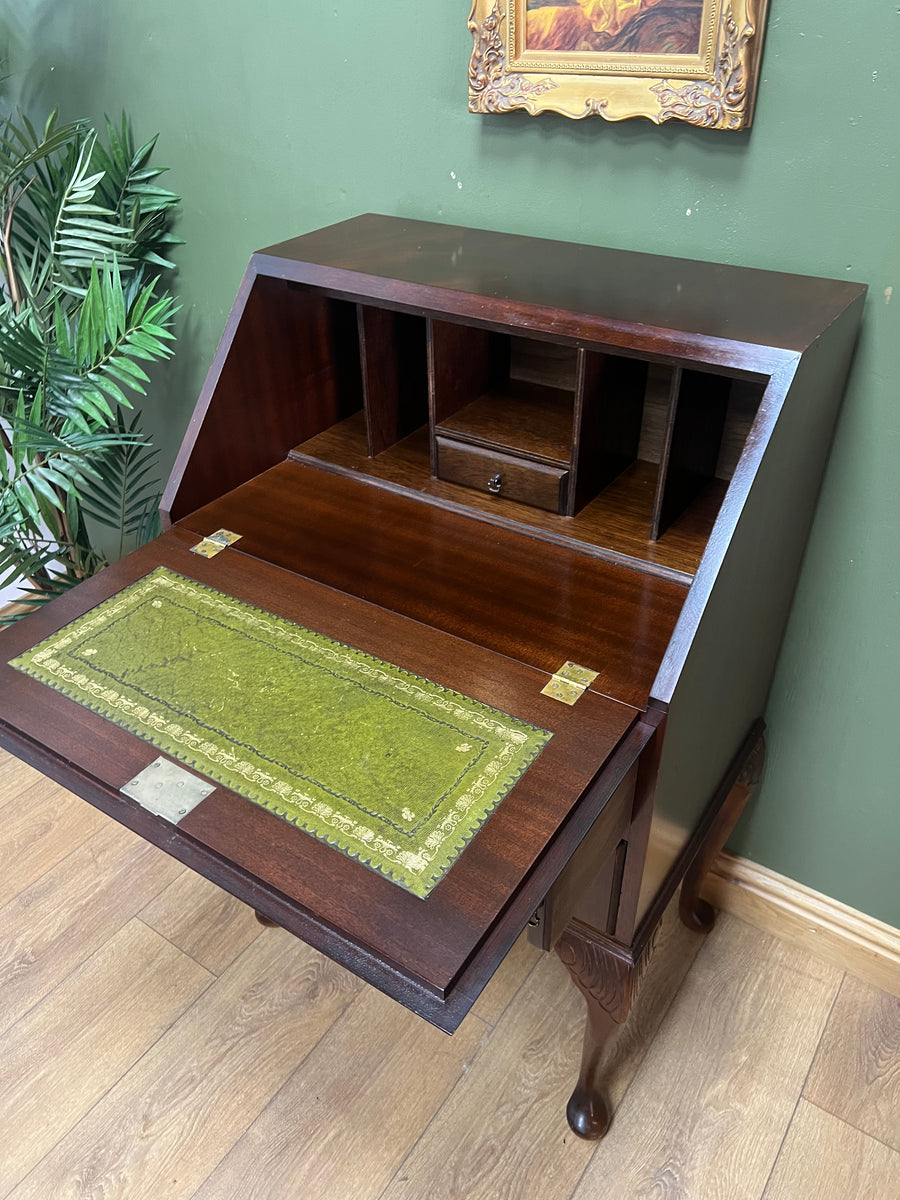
[432, 953]
[389, 768]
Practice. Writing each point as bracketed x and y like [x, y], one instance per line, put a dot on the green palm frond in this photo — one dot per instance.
[81, 226]
[128, 188]
[21, 147]
[58, 222]
[50, 573]
[32, 361]
[84, 232]
[114, 328]
[85, 361]
[125, 496]
[43, 474]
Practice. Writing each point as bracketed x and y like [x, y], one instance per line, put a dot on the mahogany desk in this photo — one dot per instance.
[480, 457]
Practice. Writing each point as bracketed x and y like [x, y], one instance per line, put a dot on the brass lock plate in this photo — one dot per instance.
[167, 790]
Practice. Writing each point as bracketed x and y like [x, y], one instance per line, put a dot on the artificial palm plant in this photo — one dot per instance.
[84, 233]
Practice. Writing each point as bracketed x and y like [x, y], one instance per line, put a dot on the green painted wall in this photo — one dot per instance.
[278, 116]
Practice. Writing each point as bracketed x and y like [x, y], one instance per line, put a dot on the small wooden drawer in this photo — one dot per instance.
[503, 475]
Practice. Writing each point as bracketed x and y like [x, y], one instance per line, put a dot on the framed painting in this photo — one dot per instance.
[685, 60]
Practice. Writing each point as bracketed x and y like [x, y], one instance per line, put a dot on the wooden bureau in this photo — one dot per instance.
[481, 457]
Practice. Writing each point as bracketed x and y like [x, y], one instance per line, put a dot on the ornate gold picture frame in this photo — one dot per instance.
[686, 60]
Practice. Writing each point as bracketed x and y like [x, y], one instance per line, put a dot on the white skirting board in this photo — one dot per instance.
[842, 936]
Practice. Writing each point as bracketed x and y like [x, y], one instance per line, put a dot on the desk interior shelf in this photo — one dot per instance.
[637, 453]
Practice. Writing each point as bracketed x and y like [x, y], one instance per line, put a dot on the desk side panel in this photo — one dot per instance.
[716, 676]
[287, 367]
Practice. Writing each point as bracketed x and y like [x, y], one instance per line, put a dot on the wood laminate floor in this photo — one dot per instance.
[156, 1043]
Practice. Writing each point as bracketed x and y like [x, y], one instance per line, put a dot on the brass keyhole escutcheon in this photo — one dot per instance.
[494, 485]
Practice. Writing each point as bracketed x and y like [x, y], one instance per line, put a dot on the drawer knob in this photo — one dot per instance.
[494, 485]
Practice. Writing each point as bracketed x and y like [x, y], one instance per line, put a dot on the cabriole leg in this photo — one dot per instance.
[588, 1111]
[607, 977]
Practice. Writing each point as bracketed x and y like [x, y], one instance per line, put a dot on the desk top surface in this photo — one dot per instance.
[621, 287]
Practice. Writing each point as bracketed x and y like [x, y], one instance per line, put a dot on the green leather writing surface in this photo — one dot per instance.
[389, 768]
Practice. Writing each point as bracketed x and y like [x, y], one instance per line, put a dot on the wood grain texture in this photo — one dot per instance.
[38, 831]
[824, 1159]
[278, 341]
[590, 886]
[395, 388]
[693, 439]
[754, 552]
[673, 955]
[505, 1122]
[317, 1137]
[167, 1123]
[462, 363]
[533, 361]
[856, 1072]
[481, 605]
[817, 924]
[202, 920]
[607, 976]
[506, 981]
[627, 990]
[87, 1033]
[502, 1133]
[531, 483]
[662, 1117]
[452, 572]
[504, 276]
[609, 408]
[709, 1116]
[614, 523]
[520, 417]
[72, 910]
[15, 777]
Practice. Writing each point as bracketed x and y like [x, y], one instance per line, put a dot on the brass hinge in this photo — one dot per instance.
[569, 683]
[215, 543]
